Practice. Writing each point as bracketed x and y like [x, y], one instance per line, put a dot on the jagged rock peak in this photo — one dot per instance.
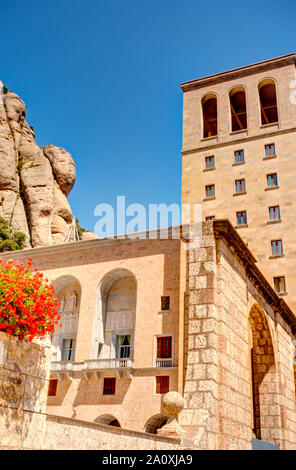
[34, 181]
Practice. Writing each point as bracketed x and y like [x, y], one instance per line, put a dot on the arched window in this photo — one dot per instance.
[237, 98]
[210, 120]
[64, 339]
[268, 102]
[115, 313]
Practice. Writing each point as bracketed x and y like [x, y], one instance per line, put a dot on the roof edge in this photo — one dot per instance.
[246, 69]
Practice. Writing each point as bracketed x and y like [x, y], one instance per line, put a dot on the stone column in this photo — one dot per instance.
[200, 414]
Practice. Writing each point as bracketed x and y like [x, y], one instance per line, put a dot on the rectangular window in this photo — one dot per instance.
[164, 347]
[109, 386]
[241, 218]
[277, 247]
[274, 213]
[52, 387]
[272, 180]
[210, 191]
[162, 384]
[68, 349]
[210, 162]
[165, 302]
[240, 186]
[123, 349]
[239, 156]
[279, 284]
[210, 217]
[269, 150]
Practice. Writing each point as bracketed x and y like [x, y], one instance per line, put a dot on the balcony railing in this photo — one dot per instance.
[91, 365]
[108, 363]
[164, 362]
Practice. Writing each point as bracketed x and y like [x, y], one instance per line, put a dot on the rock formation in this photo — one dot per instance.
[34, 181]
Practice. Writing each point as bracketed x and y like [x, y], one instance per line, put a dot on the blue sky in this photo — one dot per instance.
[101, 78]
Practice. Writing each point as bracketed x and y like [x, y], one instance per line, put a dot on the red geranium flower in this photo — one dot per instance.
[28, 308]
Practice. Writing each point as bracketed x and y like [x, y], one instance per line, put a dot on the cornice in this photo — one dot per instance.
[239, 72]
[224, 230]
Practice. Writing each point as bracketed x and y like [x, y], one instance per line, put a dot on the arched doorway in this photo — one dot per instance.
[108, 420]
[262, 364]
[154, 423]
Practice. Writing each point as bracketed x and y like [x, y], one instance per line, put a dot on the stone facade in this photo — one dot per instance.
[229, 303]
[232, 335]
[257, 197]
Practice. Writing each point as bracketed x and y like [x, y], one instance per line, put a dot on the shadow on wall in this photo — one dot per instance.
[90, 392]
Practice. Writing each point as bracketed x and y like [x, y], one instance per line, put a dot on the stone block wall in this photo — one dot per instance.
[24, 372]
[220, 379]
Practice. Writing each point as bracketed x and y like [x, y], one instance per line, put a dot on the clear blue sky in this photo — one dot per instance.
[101, 79]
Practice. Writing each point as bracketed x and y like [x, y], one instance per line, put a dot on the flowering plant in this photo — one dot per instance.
[28, 308]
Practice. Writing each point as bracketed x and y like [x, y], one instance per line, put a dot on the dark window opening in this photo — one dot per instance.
[162, 384]
[268, 104]
[109, 386]
[52, 387]
[165, 302]
[238, 110]
[164, 347]
[210, 121]
[123, 346]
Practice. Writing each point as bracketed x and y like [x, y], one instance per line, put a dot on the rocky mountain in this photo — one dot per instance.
[34, 181]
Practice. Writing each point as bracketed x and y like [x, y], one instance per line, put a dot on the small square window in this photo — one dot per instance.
[274, 213]
[270, 150]
[210, 162]
[210, 217]
[239, 156]
[165, 302]
[240, 186]
[241, 218]
[210, 191]
[272, 180]
[279, 284]
[277, 247]
[52, 387]
[109, 386]
[162, 384]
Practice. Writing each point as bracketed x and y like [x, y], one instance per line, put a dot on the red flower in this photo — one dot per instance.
[28, 308]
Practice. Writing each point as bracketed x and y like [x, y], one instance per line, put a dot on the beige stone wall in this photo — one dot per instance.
[67, 434]
[24, 372]
[218, 378]
[155, 265]
[256, 201]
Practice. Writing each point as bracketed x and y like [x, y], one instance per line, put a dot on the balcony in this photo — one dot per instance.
[164, 362]
[92, 366]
